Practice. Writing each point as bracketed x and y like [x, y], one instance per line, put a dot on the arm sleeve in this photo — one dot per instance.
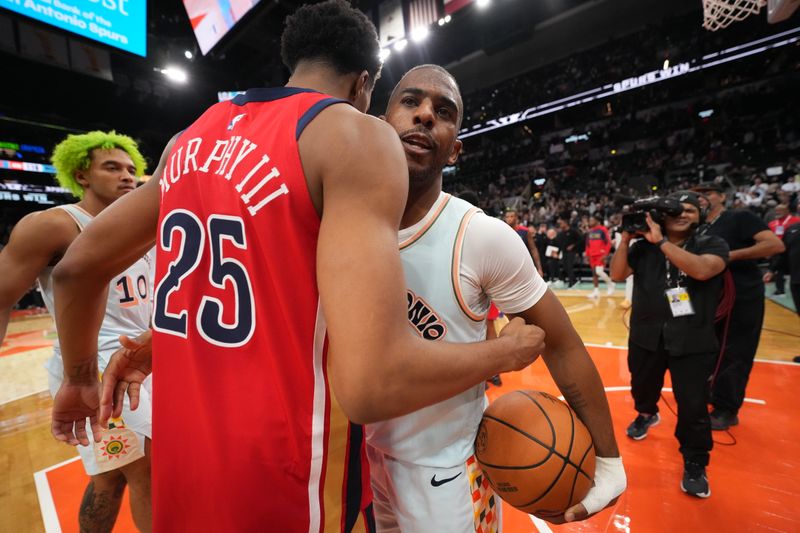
[496, 266]
[715, 245]
[749, 224]
[634, 253]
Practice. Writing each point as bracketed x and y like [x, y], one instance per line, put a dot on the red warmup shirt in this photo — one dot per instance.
[780, 225]
[246, 435]
[598, 242]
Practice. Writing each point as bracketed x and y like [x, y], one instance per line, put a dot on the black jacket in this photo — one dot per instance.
[651, 317]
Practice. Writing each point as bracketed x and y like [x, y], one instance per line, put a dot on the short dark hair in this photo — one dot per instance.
[446, 73]
[332, 32]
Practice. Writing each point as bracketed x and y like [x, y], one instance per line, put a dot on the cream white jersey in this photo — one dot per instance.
[456, 261]
[127, 308]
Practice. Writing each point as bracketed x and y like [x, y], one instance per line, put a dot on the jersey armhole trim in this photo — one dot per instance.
[313, 111]
[423, 230]
[68, 210]
[456, 262]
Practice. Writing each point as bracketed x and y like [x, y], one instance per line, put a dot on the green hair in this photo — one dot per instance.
[75, 153]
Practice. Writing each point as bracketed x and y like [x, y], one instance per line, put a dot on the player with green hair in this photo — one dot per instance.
[74, 154]
[99, 168]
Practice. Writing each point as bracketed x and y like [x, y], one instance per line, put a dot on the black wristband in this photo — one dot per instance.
[662, 241]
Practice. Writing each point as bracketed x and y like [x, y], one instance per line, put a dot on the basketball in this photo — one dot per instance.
[535, 452]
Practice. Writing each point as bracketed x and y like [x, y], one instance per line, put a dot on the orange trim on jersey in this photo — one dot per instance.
[418, 235]
[456, 262]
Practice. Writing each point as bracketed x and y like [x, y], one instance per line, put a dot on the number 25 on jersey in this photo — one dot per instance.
[224, 273]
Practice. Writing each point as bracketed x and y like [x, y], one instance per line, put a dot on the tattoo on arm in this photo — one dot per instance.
[84, 370]
[572, 393]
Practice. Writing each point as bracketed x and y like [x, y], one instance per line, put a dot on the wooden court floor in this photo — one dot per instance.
[755, 482]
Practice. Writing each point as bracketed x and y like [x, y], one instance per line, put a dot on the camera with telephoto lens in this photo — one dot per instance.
[635, 220]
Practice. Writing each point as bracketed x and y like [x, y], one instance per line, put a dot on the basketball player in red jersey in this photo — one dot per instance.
[425, 109]
[247, 433]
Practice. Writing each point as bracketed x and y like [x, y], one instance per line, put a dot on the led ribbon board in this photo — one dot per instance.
[711, 60]
[118, 23]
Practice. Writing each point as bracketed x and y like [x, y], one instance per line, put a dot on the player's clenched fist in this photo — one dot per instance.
[526, 343]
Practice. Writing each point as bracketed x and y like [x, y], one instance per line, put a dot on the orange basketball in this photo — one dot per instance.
[535, 452]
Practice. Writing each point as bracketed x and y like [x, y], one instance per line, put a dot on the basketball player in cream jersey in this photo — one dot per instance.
[456, 260]
[97, 167]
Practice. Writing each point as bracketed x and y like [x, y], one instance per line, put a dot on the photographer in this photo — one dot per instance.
[677, 285]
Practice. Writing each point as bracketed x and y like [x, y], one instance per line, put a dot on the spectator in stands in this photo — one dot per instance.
[569, 240]
[552, 256]
[779, 225]
[526, 234]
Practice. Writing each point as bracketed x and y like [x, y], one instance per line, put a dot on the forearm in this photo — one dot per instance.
[619, 263]
[5, 316]
[409, 375]
[80, 307]
[699, 267]
[758, 250]
[580, 383]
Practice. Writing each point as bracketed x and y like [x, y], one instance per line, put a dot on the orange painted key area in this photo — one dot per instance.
[755, 484]
[66, 484]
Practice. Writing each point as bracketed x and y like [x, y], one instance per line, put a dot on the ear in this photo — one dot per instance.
[455, 152]
[359, 86]
[80, 177]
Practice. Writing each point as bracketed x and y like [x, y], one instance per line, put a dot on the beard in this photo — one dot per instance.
[419, 176]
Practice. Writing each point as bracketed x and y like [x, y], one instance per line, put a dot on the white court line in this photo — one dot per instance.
[757, 359]
[578, 308]
[595, 345]
[14, 399]
[668, 389]
[540, 525]
[46, 503]
[774, 362]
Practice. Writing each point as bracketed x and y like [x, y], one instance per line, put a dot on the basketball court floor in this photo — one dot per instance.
[754, 471]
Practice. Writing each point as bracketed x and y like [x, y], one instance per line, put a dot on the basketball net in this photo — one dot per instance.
[719, 14]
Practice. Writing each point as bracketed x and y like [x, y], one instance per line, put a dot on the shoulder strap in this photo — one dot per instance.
[313, 111]
[81, 217]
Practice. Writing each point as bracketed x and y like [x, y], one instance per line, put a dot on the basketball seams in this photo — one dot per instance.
[569, 453]
[531, 437]
[585, 455]
[568, 457]
[566, 460]
[546, 417]
[559, 486]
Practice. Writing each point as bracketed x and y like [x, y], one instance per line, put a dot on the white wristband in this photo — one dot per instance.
[609, 482]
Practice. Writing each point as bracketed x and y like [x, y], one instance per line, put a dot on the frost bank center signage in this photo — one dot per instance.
[117, 23]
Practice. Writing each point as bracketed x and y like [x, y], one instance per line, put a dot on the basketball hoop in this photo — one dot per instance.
[719, 14]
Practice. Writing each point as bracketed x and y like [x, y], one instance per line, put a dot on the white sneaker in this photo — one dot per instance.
[594, 294]
[611, 288]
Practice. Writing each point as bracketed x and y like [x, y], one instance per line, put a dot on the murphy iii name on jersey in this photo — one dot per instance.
[221, 162]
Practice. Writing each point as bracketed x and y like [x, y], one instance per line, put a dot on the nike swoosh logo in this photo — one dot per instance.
[438, 483]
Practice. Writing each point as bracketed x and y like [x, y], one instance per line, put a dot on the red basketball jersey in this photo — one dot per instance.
[246, 435]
